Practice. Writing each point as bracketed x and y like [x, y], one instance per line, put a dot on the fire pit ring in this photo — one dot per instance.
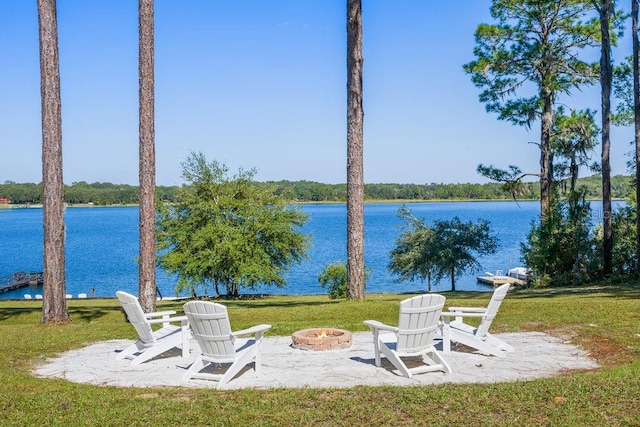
[320, 339]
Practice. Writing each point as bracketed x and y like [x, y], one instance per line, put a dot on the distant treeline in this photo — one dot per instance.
[102, 193]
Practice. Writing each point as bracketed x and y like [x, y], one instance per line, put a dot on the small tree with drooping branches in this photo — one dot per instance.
[447, 248]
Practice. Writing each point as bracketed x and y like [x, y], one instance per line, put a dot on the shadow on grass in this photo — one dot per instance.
[275, 304]
[84, 314]
[6, 313]
[90, 314]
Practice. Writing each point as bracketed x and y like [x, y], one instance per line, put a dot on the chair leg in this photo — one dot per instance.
[446, 335]
[155, 350]
[498, 343]
[257, 359]
[435, 359]
[195, 367]
[473, 342]
[395, 360]
[376, 348]
[128, 352]
[242, 359]
[186, 336]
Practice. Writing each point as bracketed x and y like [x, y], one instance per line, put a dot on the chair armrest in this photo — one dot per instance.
[182, 319]
[159, 314]
[446, 315]
[184, 327]
[374, 324]
[162, 317]
[469, 309]
[252, 330]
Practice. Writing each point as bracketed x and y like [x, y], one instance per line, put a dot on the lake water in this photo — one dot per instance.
[102, 245]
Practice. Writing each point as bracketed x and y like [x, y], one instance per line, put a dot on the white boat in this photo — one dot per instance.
[519, 273]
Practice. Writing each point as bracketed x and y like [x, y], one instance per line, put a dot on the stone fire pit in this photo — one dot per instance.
[321, 339]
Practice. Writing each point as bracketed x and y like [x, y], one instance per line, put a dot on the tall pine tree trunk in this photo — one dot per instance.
[606, 72]
[546, 154]
[54, 307]
[147, 168]
[355, 150]
[636, 107]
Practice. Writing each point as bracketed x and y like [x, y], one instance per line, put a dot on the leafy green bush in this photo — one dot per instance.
[563, 249]
[334, 278]
[624, 244]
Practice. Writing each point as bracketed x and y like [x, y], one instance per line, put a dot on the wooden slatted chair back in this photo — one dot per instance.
[418, 322]
[136, 317]
[211, 328]
[499, 295]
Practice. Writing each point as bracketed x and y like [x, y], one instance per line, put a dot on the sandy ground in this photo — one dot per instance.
[537, 355]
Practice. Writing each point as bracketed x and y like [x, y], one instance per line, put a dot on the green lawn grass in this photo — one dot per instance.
[605, 321]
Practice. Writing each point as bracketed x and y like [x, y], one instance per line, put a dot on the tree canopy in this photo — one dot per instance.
[228, 231]
[529, 56]
[415, 254]
[447, 248]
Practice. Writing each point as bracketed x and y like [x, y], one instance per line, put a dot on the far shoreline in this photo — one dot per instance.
[293, 202]
[11, 206]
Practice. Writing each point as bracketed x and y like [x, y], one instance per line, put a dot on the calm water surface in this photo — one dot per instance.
[102, 245]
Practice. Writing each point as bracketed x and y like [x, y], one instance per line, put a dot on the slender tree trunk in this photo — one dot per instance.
[636, 106]
[605, 10]
[355, 150]
[546, 156]
[147, 168]
[453, 279]
[54, 307]
[573, 170]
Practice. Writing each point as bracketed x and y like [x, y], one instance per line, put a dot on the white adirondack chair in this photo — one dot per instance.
[152, 343]
[219, 345]
[414, 336]
[476, 337]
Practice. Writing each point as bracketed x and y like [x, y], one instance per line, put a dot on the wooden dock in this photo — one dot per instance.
[500, 280]
[19, 280]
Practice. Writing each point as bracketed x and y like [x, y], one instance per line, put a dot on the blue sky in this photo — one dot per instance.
[262, 83]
